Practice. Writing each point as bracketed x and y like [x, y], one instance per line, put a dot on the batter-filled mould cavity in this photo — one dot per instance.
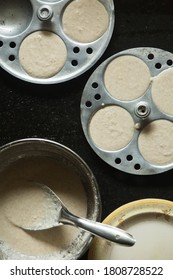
[155, 142]
[42, 54]
[85, 21]
[126, 111]
[127, 77]
[111, 128]
[162, 93]
[82, 29]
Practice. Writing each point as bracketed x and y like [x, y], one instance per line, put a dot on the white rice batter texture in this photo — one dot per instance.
[111, 128]
[162, 91]
[127, 77]
[155, 142]
[42, 54]
[24, 205]
[85, 21]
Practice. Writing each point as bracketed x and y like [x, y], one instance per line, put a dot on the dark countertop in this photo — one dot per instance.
[53, 111]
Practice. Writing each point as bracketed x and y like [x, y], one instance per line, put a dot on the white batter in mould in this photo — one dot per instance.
[162, 92]
[42, 54]
[127, 77]
[155, 142]
[22, 204]
[85, 21]
[111, 128]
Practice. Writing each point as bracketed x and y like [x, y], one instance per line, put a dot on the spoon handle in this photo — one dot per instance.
[108, 232]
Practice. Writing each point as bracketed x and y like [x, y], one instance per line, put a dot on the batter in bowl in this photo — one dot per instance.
[21, 202]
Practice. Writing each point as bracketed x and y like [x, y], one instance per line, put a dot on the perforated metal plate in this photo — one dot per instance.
[143, 110]
[18, 19]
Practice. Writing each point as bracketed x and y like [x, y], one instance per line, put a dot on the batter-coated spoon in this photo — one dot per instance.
[59, 215]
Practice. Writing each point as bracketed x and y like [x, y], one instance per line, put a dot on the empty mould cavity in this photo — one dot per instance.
[162, 93]
[111, 128]
[85, 20]
[155, 142]
[15, 16]
[127, 77]
[42, 54]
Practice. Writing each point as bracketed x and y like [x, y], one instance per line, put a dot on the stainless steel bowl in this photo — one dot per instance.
[33, 148]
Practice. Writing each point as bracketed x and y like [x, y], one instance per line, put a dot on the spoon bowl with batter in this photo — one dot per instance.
[57, 214]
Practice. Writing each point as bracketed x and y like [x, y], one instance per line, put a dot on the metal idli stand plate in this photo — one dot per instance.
[95, 96]
[18, 19]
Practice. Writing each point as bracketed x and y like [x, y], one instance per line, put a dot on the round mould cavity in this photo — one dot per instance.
[42, 54]
[85, 21]
[127, 77]
[162, 93]
[132, 81]
[143, 219]
[155, 142]
[37, 160]
[15, 16]
[111, 128]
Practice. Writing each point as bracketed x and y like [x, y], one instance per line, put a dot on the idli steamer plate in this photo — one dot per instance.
[95, 96]
[18, 19]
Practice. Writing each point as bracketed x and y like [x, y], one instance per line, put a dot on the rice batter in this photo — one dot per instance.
[42, 54]
[127, 77]
[21, 203]
[162, 92]
[111, 128]
[155, 142]
[85, 20]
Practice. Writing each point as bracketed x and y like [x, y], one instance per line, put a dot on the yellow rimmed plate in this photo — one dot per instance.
[150, 221]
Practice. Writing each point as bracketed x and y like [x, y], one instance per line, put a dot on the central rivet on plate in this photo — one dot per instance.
[142, 110]
[45, 13]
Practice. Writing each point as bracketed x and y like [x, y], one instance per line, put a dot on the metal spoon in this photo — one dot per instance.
[58, 214]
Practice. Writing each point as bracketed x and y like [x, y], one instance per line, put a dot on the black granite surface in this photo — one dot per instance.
[53, 111]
